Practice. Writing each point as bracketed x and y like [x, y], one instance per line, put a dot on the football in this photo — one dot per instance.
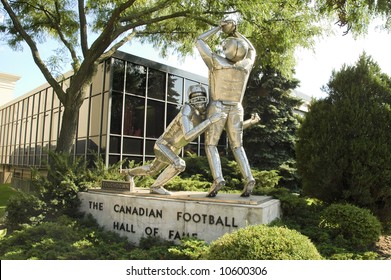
[229, 27]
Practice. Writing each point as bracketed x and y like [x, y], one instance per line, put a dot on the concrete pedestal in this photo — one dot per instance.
[140, 214]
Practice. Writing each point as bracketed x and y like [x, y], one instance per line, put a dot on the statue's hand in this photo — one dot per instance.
[255, 118]
[218, 116]
[228, 26]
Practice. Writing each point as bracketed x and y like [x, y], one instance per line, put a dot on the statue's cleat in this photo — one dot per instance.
[159, 190]
[214, 189]
[248, 188]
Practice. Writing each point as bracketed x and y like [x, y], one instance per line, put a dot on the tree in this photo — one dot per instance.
[88, 32]
[344, 151]
[270, 146]
[355, 15]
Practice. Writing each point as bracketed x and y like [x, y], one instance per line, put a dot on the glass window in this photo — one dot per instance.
[116, 113]
[113, 159]
[134, 116]
[115, 144]
[155, 118]
[93, 144]
[172, 112]
[118, 74]
[135, 79]
[191, 148]
[156, 84]
[81, 146]
[175, 89]
[128, 159]
[133, 146]
[149, 145]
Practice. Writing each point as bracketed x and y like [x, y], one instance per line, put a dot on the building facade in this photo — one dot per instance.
[129, 104]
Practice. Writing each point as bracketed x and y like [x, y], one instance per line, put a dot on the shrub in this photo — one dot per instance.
[344, 148]
[190, 249]
[261, 242]
[64, 239]
[350, 226]
[23, 208]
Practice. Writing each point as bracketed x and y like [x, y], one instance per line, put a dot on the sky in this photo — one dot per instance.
[314, 67]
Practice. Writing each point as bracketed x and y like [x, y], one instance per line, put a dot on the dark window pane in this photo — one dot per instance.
[116, 113]
[93, 143]
[172, 111]
[175, 89]
[115, 144]
[135, 79]
[133, 146]
[113, 159]
[134, 116]
[156, 84]
[118, 74]
[149, 147]
[127, 160]
[191, 148]
[81, 146]
[155, 119]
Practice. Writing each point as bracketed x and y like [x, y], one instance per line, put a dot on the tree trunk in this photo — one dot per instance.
[68, 128]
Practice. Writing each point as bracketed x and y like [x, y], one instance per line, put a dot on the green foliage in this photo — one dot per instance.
[65, 178]
[6, 191]
[270, 145]
[64, 239]
[98, 172]
[168, 26]
[350, 226]
[190, 249]
[344, 152]
[197, 176]
[152, 248]
[23, 208]
[356, 15]
[261, 242]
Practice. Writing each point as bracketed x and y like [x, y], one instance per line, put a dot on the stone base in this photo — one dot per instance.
[140, 214]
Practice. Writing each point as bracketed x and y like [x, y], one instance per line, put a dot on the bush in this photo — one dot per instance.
[350, 226]
[344, 148]
[23, 208]
[65, 239]
[261, 242]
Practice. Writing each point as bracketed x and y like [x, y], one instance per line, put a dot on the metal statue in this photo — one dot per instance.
[184, 128]
[228, 76]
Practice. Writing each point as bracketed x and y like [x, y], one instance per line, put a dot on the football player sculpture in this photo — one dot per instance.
[228, 76]
[184, 128]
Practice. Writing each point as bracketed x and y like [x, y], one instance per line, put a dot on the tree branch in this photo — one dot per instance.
[34, 51]
[114, 48]
[145, 12]
[83, 28]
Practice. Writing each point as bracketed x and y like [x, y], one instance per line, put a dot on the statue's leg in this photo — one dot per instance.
[235, 136]
[176, 166]
[212, 137]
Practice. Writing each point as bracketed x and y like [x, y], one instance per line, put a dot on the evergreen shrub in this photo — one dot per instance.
[344, 148]
[260, 242]
[350, 226]
[23, 208]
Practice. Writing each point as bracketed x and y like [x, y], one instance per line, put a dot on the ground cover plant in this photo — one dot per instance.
[309, 224]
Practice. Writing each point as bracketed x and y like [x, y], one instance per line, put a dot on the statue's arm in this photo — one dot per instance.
[203, 48]
[190, 132]
[251, 121]
[251, 50]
